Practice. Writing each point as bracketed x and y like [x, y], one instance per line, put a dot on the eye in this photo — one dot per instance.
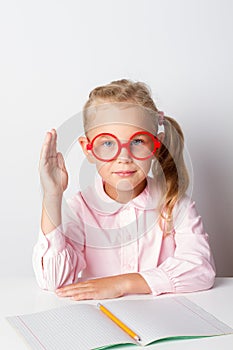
[137, 142]
[107, 144]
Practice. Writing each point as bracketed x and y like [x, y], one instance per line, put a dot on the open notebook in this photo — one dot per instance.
[85, 327]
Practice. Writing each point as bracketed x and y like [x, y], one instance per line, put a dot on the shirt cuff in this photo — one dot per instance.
[53, 242]
[158, 281]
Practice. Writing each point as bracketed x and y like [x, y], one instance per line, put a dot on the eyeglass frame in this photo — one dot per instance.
[157, 145]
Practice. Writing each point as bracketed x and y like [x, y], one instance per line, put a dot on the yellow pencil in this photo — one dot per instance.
[119, 322]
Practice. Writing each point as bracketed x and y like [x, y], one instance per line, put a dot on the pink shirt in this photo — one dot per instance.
[101, 237]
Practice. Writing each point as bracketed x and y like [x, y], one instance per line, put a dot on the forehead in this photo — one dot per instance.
[121, 131]
[112, 116]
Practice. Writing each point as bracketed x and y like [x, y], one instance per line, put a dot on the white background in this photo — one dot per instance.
[54, 52]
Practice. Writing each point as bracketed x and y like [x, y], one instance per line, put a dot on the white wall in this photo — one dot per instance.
[54, 52]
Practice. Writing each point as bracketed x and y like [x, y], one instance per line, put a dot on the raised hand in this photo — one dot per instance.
[53, 173]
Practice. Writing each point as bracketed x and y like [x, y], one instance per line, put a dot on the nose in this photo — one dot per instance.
[124, 155]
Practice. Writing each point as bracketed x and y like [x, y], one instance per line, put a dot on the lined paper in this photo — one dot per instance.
[73, 327]
[85, 327]
[157, 319]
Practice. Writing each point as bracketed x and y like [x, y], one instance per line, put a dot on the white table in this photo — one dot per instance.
[20, 296]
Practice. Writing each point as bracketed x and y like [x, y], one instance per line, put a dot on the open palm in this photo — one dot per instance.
[53, 173]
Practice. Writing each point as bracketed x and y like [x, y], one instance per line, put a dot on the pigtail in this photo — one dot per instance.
[171, 167]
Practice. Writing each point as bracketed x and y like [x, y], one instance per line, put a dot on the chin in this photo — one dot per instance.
[124, 185]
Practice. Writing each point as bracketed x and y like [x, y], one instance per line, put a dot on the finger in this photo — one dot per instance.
[74, 291]
[72, 286]
[61, 161]
[46, 146]
[84, 296]
[53, 148]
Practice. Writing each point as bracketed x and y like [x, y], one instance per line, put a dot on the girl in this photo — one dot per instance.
[128, 232]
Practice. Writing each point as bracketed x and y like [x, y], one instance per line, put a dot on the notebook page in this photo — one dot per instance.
[157, 319]
[73, 327]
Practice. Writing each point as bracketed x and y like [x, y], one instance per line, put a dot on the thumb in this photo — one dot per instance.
[61, 162]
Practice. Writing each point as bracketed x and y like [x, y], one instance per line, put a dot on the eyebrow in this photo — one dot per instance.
[105, 136]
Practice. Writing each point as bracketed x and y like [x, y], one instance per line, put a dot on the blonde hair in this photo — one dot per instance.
[170, 155]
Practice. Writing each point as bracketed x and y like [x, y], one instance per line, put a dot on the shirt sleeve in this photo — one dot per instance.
[191, 266]
[58, 256]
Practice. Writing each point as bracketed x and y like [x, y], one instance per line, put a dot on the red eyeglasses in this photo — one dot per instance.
[107, 147]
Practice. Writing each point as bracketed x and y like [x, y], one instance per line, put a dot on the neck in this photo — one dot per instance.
[124, 196]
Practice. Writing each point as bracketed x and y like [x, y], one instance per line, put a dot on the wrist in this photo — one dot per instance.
[48, 196]
[134, 283]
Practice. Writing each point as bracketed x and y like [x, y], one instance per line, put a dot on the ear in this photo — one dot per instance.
[161, 136]
[83, 141]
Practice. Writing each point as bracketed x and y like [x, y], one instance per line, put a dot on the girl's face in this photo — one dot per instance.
[124, 177]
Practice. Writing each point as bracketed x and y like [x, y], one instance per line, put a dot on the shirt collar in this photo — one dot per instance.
[97, 199]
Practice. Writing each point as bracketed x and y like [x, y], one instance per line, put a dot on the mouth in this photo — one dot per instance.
[124, 173]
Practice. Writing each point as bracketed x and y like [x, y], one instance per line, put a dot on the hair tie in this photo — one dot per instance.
[161, 128]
